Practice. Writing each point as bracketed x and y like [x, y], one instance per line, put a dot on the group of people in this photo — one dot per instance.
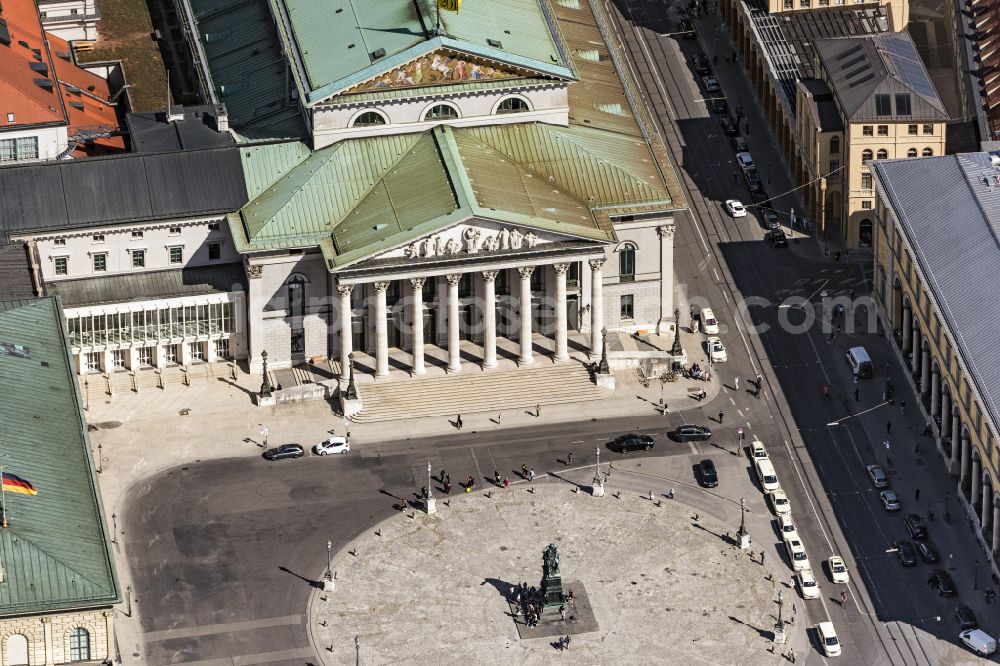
[697, 373]
[527, 600]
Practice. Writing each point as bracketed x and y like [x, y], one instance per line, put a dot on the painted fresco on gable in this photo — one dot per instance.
[436, 69]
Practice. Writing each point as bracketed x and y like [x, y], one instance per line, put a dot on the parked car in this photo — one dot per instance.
[740, 144]
[777, 238]
[689, 432]
[759, 196]
[905, 553]
[707, 474]
[771, 220]
[710, 83]
[702, 65]
[915, 526]
[634, 442]
[889, 500]
[979, 642]
[719, 105]
[716, 351]
[838, 570]
[966, 618]
[927, 551]
[709, 323]
[757, 449]
[745, 160]
[787, 528]
[941, 581]
[878, 476]
[332, 445]
[797, 555]
[753, 180]
[808, 585]
[735, 208]
[687, 28]
[285, 451]
[729, 126]
[780, 503]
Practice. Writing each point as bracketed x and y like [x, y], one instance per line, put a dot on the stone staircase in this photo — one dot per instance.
[474, 391]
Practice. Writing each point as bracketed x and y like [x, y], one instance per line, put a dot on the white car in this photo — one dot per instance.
[797, 555]
[757, 450]
[735, 208]
[716, 351]
[787, 527]
[838, 570]
[808, 585]
[745, 160]
[332, 445]
[779, 502]
[709, 323]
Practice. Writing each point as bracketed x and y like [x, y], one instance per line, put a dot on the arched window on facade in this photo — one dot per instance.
[866, 155]
[296, 296]
[626, 263]
[369, 119]
[865, 233]
[928, 152]
[79, 645]
[441, 112]
[512, 105]
[16, 648]
[882, 154]
[912, 152]
[834, 145]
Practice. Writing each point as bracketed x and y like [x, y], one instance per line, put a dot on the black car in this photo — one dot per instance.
[687, 28]
[758, 196]
[740, 144]
[915, 526]
[777, 238]
[753, 180]
[719, 105]
[633, 442]
[941, 581]
[689, 432]
[729, 126]
[907, 556]
[285, 451]
[707, 474]
[966, 618]
[927, 551]
[702, 65]
[771, 219]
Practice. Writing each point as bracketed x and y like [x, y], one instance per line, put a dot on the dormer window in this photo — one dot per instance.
[512, 105]
[369, 119]
[441, 112]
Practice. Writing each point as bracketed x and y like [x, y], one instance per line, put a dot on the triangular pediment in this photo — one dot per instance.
[442, 67]
[477, 237]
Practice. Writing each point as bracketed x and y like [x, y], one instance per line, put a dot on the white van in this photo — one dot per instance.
[709, 324]
[828, 639]
[979, 642]
[765, 474]
[860, 362]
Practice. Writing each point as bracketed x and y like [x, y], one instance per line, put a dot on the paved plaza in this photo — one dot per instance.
[429, 589]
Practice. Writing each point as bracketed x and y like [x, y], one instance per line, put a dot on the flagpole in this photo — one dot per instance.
[3, 498]
[437, 18]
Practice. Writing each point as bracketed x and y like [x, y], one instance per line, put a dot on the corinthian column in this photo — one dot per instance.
[381, 331]
[489, 319]
[417, 285]
[666, 234]
[525, 273]
[345, 327]
[562, 351]
[454, 352]
[596, 305]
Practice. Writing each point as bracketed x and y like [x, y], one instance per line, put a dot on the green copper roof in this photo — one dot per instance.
[55, 551]
[368, 195]
[337, 41]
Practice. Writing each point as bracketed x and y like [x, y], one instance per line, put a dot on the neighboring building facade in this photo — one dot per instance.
[898, 10]
[145, 266]
[70, 20]
[50, 108]
[936, 259]
[57, 578]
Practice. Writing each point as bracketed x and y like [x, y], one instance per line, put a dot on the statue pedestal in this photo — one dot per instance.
[329, 585]
[552, 592]
[269, 401]
[597, 490]
[743, 540]
[779, 633]
[350, 407]
[431, 505]
[605, 380]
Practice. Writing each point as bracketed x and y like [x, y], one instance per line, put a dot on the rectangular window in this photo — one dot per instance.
[175, 231]
[214, 251]
[866, 181]
[928, 129]
[138, 258]
[176, 255]
[788, 4]
[883, 130]
[62, 265]
[573, 277]
[867, 130]
[213, 226]
[911, 130]
[98, 238]
[136, 234]
[59, 241]
[903, 104]
[627, 306]
[502, 285]
[23, 148]
[100, 263]
[866, 205]
[883, 105]
[834, 168]
[803, 3]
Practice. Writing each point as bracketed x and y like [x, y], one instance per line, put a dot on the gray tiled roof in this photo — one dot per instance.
[69, 194]
[858, 69]
[954, 230]
[192, 281]
[55, 553]
[151, 133]
[15, 272]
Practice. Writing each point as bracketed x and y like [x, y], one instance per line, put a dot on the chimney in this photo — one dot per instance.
[175, 113]
[221, 118]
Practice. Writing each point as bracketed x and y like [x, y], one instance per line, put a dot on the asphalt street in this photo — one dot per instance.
[226, 553]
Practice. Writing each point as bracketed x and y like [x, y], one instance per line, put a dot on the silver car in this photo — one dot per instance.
[889, 500]
[878, 476]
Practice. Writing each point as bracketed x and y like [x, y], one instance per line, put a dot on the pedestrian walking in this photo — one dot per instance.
[758, 381]
[506, 482]
[524, 471]
[826, 392]
[531, 474]
[423, 492]
[761, 558]
[916, 495]
[567, 639]
[887, 444]
[720, 417]
[888, 426]
[739, 434]
[441, 476]
[538, 410]
[496, 477]
[734, 56]
[458, 422]
[843, 597]
[562, 612]
[569, 458]
[736, 383]
[650, 495]
[499, 414]
[902, 406]
[857, 393]
[791, 655]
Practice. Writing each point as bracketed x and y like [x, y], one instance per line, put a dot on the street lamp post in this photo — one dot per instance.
[768, 170]
[598, 487]
[265, 386]
[743, 537]
[429, 501]
[603, 368]
[352, 390]
[100, 458]
[328, 584]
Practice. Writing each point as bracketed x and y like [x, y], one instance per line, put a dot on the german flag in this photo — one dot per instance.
[15, 484]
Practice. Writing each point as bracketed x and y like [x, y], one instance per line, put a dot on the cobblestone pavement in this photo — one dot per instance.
[431, 589]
